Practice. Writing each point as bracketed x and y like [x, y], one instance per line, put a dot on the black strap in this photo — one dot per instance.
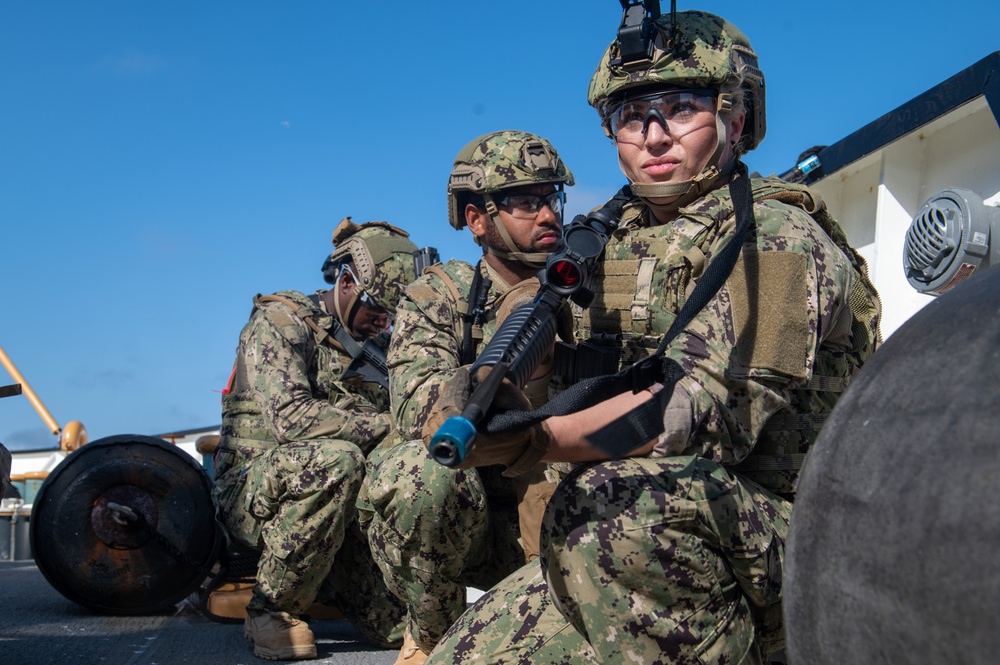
[338, 332]
[475, 314]
[719, 269]
[645, 422]
[368, 359]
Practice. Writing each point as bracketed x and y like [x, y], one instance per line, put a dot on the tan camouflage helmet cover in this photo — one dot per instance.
[704, 51]
[382, 255]
[499, 160]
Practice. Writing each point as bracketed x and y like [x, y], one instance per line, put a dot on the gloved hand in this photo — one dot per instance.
[518, 451]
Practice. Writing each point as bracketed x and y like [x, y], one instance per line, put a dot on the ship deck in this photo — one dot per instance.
[39, 626]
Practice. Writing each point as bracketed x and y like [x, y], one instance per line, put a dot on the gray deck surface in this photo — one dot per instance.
[38, 626]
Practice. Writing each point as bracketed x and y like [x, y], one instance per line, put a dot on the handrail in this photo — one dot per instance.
[29, 393]
[72, 436]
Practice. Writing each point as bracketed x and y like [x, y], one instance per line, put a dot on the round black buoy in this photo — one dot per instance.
[895, 537]
[125, 525]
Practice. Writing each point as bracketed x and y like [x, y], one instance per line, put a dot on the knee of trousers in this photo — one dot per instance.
[408, 492]
[611, 497]
[330, 466]
[309, 476]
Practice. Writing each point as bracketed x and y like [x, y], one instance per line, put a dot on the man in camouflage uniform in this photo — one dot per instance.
[674, 554]
[434, 530]
[299, 415]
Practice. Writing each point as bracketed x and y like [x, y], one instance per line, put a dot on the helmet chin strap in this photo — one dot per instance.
[343, 316]
[532, 259]
[687, 190]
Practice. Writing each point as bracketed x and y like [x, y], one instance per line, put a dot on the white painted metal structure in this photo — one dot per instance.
[875, 180]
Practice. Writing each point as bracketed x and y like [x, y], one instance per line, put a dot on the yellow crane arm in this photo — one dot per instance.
[29, 393]
[74, 436]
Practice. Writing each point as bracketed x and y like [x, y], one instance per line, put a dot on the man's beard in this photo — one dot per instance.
[494, 240]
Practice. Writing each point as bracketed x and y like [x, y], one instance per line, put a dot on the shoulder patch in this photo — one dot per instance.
[421, 292]
[280, 316]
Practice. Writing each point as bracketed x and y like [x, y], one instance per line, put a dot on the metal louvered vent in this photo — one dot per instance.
[948, 240]
[932, 237]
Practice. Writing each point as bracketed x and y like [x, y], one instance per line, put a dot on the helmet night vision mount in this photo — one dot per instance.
[637, 31]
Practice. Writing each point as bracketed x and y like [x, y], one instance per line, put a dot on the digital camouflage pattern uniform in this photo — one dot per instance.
[434, 530]
[676, 557]
[290, 464]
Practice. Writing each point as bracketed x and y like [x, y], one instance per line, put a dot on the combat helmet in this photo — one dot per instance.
[383, 262]
[498, 161]
[689, 49]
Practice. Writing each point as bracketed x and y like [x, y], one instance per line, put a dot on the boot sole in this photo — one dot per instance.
[288, 653]
[301, 652]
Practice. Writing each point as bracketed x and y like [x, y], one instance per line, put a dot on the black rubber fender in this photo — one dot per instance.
[88, 548]
[893, 553]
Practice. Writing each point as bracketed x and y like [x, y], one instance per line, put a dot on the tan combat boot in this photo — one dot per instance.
[279, 636]
[410, 654]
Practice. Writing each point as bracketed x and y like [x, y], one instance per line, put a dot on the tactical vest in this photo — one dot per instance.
[243, 425]
[628, 317]
[473, 329]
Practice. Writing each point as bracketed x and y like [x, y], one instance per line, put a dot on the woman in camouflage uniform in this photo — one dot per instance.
[674, 554]
[296, 426]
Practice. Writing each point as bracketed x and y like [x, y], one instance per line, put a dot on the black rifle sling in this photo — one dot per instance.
[645, 422]
[475, 313]
[337, 331]
[365, 354]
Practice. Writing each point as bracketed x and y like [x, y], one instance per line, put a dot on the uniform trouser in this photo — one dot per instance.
[533, 489]
[515, 623]
[295, 504]
[657, 561]
[434, 531]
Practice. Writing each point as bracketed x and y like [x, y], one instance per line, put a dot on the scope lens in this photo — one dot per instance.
[564, 274]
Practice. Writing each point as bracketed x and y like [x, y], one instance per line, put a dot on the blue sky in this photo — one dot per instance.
[162, 162]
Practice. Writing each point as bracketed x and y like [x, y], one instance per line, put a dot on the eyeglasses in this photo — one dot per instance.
[679, 111]
[527, 206]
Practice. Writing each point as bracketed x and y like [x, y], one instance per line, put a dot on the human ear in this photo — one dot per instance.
[736, 124]
[346, 281]
[475, 220]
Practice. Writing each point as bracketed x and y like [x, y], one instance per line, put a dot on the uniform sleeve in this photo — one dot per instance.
[423, 354]
[757, 340]
[280, 351]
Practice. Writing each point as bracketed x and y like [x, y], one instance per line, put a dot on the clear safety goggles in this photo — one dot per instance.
[527, 206]
[364, 297]
[678, 111]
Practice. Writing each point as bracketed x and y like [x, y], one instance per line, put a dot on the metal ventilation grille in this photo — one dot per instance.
[948, 240]
[933, 236]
